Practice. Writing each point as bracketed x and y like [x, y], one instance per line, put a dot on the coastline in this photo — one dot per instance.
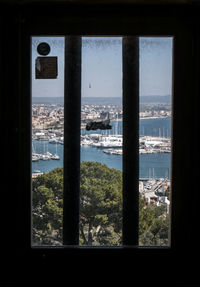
[154, 118]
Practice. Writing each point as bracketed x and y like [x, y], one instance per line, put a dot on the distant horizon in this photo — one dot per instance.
[105, 100]
[101, 97]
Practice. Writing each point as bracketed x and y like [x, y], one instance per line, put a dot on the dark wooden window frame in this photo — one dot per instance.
[131, 21]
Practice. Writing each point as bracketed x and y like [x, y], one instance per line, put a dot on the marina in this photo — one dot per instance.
[110, 145]
[152, 165]
[105, 146]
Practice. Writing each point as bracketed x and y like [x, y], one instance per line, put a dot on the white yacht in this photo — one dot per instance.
[55, 157]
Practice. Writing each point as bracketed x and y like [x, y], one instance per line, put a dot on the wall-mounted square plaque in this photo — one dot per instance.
[46, 68]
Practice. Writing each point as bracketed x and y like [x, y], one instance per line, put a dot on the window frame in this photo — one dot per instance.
[126, 21]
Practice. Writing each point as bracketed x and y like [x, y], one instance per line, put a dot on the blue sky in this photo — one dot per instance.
[102, 67]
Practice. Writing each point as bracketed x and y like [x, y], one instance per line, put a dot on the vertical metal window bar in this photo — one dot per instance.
[131, 140]
[72, 105]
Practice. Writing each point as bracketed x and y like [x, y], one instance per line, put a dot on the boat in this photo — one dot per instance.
[113, 151]
[46, 156]
[55, 157]
[53, 141]
[109, 142]
[35, 158]
[36, 171]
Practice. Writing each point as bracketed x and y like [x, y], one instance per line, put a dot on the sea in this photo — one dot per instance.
[161, 100]
[150, 165]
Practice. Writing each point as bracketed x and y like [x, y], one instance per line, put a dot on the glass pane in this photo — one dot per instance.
[101, 142]
[47, 139]
[155, 140]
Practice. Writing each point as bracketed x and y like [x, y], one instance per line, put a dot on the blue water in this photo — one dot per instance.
[151, 165]
[165, 100]
[155, 127]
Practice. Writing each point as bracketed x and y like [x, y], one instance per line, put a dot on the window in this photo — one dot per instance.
[101, 192]
[160, 264]
[183, 79]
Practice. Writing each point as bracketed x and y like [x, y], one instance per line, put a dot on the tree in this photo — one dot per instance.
[160, 230]
[146, 216]
[100, 209]
[100, 204]
[47, 206]
[153, 224]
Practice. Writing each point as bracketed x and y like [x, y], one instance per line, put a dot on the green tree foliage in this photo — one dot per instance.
[100, 204]
[100, 209]
[47, 207]
[153, 224]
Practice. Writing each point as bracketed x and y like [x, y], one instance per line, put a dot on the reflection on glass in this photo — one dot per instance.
[155, 140]
[101, 142]
[47, 140]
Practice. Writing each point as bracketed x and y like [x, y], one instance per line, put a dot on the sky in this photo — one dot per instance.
[102, 67]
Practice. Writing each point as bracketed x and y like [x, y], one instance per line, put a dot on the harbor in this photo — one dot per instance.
[105, 146]
[110, 144]
[154, 168]
[152, 165]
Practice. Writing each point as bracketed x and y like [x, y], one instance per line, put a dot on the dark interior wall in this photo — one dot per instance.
[102, 263]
